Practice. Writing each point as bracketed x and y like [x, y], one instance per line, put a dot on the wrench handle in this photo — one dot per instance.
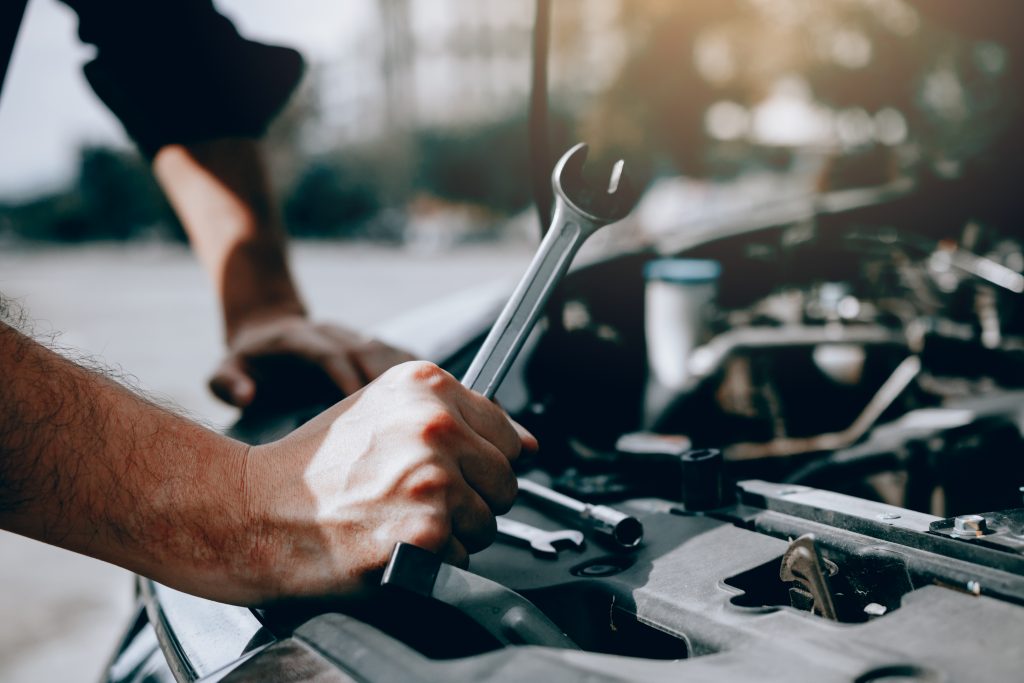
[509, 333]
[549, 495]
[510, 528]
[625, 530]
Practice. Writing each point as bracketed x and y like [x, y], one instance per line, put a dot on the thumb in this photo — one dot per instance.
[232, 384]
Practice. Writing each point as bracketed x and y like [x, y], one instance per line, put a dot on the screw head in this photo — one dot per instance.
[969, 526]
[888, 516]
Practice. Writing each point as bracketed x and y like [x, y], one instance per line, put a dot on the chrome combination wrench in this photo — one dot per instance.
[580, 210]
[542, 542]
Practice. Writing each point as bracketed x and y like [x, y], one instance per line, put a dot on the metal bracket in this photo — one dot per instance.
[505, 614]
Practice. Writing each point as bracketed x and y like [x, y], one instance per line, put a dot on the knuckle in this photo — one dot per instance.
[428, 531]
[430, 374]
[371, 345]
[440, 426]
[401, 372]
[280, 336]
[323, 356]
[421, 375]
[421, 369]
[430, 481]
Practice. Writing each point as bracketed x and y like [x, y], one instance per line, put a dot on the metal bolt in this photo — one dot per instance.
[969, 526]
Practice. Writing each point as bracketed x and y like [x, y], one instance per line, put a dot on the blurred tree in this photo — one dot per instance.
[486, 165]
[114, 197]
[120, 197]
[335, 196]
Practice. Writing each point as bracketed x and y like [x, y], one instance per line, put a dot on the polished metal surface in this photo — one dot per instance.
[580, 210]
[541, 541]
[625, 531]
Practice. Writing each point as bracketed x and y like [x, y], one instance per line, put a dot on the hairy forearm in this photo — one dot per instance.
[87, 465]
[219, 190]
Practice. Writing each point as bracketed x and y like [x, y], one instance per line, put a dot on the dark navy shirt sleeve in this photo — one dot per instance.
[176, 71]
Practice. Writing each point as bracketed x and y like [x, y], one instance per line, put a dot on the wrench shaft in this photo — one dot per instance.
[520, 314]
[551, 496]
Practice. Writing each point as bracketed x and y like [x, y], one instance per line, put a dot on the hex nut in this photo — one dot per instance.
[969, 526]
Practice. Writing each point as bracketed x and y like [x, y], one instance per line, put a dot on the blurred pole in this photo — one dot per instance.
[396, 61]
[399, 97]
[540, 154]
[11, 14]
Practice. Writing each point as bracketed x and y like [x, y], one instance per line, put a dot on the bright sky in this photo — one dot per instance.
[47, 108]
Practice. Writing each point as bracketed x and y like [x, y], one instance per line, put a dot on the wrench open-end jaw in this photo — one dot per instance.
[543, 543]
[602, 204]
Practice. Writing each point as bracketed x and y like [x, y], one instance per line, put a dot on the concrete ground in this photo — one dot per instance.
[149, 311]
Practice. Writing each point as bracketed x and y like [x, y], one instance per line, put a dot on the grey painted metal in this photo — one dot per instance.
[908, 528]
[680, 584]
[541, 541]
[199, 637]
[505, 614]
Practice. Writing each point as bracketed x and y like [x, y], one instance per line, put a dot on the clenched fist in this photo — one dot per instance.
[412, 457]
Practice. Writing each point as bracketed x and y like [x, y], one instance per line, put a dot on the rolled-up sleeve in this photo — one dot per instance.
[176, 71]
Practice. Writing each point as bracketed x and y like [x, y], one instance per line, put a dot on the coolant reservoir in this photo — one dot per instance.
[678, 304]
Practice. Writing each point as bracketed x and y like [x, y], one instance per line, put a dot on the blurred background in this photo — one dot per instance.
[402, 169]
[413, 111]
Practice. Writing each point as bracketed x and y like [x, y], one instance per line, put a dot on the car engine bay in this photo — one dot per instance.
[829, 478]
[810, 417]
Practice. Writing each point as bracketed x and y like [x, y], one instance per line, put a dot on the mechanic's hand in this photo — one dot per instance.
[413, 457]
[349, 359]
